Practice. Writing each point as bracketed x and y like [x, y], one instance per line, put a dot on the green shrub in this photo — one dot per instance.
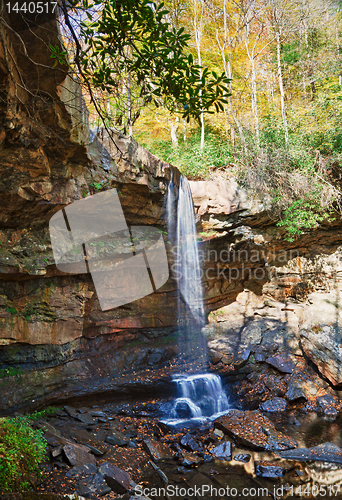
[10, 372]
[188, 157]
[47, 412]
[21, 450]
[302, 215]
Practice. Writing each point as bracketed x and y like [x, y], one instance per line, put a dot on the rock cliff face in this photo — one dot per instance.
[54, 338]
[51, 321]
[282, 334]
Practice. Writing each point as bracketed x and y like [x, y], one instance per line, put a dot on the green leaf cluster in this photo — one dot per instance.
[301, 215]
[59, 55]
[133, 38]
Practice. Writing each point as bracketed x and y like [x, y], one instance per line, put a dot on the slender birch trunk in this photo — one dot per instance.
[255, 100]
[198, 36]
[174, 128]
[254, 93]
[281, 88]
[129, 106]
[229, 74]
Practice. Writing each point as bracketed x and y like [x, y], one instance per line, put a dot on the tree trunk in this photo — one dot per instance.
[174, 129]
[198, 35]
[254, 94]
[129, 106]
[255, 100]
[281, 88]
[229, 74]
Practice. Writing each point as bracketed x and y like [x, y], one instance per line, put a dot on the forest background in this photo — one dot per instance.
[276, 125]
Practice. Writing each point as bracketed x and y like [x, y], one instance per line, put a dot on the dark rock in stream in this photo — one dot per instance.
[190, 459]
[117, 479]
[90, 441]
[190, 444]
[77, 454]
[116, 438]
[253, 429]
[176, 426]
[93, 485]
[243, 457]
[159, 452]
[326, 452]
[268, 469]
[223, 451]
[274, 405]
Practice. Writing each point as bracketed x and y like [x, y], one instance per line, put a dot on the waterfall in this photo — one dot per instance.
[187, 273]
[200, 395]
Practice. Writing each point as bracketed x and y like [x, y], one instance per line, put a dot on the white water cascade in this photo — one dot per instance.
[200, 395]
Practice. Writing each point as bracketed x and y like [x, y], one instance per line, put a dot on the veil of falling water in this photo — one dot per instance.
[200, 394]
[187, 272]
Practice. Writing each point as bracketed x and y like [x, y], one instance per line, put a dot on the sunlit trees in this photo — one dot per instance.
[126, 44]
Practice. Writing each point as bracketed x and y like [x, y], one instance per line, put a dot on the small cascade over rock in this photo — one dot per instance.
[200, 395]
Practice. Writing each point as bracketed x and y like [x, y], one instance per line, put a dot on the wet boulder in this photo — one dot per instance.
[77, 454]
[274, 405]
[86, 419]
[253, 429]
[159, 452]
[190, 443]
[282, 362]
[268, 469]
[82, 470]
[222, 451]
[90, 441]
[190, 459]
[94, 484]
[71, 411]
[116, 438]
[175, 426]
[327, 405]
[183, 410]
[326, 452]
[117, 479]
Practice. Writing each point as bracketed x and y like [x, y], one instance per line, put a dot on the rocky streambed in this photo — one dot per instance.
[128, 450]
[281, 437]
